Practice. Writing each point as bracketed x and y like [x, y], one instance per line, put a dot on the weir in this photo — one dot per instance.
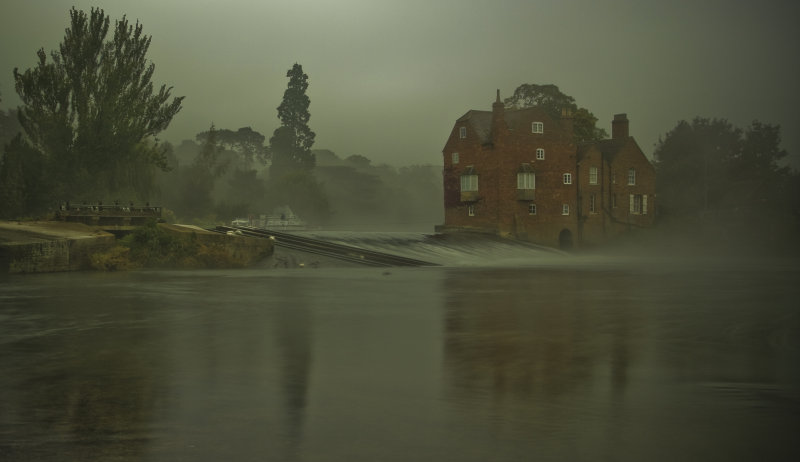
[320, 247]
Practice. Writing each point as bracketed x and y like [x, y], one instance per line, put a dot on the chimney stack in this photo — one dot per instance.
[619, 127]
[498, 119]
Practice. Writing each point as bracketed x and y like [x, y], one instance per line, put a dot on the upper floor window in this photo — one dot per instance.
[455, 157]
[469, 182]
[632, 177]
[526, 180]
[592, 175]
[462, 132]
[567, 178]
[531, 209]
[565, 209]
[540, 154]
[593, 203]
[471, 210]
[537, 127]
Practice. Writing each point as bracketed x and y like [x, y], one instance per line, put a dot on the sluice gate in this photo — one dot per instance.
[324, 248]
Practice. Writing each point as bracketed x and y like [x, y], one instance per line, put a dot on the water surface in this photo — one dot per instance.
[565, 359]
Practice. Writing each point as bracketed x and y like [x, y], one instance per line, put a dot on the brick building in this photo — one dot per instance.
[519, 173]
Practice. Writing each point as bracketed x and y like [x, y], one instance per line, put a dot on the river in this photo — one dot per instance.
[535, 356]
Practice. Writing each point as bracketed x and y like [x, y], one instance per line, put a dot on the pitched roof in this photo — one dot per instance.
[609, 147]
[481, 121]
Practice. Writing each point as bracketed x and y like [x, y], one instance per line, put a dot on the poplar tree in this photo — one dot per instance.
[291, 143]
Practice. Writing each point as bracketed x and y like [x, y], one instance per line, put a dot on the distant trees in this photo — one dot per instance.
[246, 142]
[553, 101]
[91, 112]
[710, 165]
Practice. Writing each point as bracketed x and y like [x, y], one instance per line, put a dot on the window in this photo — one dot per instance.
[537, 127]
[540, 154]
[471, 210]
[565, 209]
[455, 157]
[638, 204]
[526, 180]
[631, 177]
[567, 178]
[614, 200]
[462, 132]
[469, 182]
[592, 175]
[531, 209]
[593, 203]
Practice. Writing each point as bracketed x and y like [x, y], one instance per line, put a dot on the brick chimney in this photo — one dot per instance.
[498, 118]
[619, 127]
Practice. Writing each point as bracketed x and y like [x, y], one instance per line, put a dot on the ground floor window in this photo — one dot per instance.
[471, 210]
[565, 209]
[593, 203]
[638, 204]
[531, 209]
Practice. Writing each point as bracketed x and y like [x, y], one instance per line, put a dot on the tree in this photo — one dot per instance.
[553, 101]
[710, 165]
[291, 143]
[246, 142]
[92, 110]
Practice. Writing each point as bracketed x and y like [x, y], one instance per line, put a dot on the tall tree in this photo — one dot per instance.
[92, 110]
[553, 101]
[291, 143]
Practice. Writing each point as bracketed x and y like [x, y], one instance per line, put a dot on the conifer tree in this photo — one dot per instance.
[291, 143]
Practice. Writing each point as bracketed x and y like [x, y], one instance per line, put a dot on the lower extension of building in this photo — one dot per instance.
[520, 174]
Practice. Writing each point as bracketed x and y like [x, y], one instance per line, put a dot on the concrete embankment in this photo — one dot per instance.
[45, 246]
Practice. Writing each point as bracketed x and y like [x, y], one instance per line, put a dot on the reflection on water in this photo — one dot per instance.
[570, 362]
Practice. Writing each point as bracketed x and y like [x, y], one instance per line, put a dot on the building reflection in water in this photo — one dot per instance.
[521, 341]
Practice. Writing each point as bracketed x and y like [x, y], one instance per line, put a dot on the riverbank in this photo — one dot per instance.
[52, 246]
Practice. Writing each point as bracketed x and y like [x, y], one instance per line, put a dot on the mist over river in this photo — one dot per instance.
[502, 354]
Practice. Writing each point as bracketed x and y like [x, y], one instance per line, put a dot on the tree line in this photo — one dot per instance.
[88, 127]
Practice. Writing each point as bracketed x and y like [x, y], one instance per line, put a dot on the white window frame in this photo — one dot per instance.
[638, 204]
[532, 209]
[462, 132]
[540, 154]
[592, 175]
[537, 127]
[567, 178]
[469, 183]
[471, 210]
[564, 209]
[631, 176]
[526, 180]
[455, 158]
[593, 203]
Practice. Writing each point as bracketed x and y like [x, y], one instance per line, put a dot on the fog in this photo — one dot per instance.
[388, 79]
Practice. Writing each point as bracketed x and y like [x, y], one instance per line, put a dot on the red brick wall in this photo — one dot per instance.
[499, 211]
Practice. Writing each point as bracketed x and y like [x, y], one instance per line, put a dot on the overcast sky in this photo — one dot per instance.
[389, 78]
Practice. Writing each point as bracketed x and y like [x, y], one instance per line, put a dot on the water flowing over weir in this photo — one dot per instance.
[408, 248]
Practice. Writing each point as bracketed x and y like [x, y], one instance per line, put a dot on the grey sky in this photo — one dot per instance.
[389, 78]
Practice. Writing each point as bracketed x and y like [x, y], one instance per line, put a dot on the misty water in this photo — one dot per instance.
[504, 353]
